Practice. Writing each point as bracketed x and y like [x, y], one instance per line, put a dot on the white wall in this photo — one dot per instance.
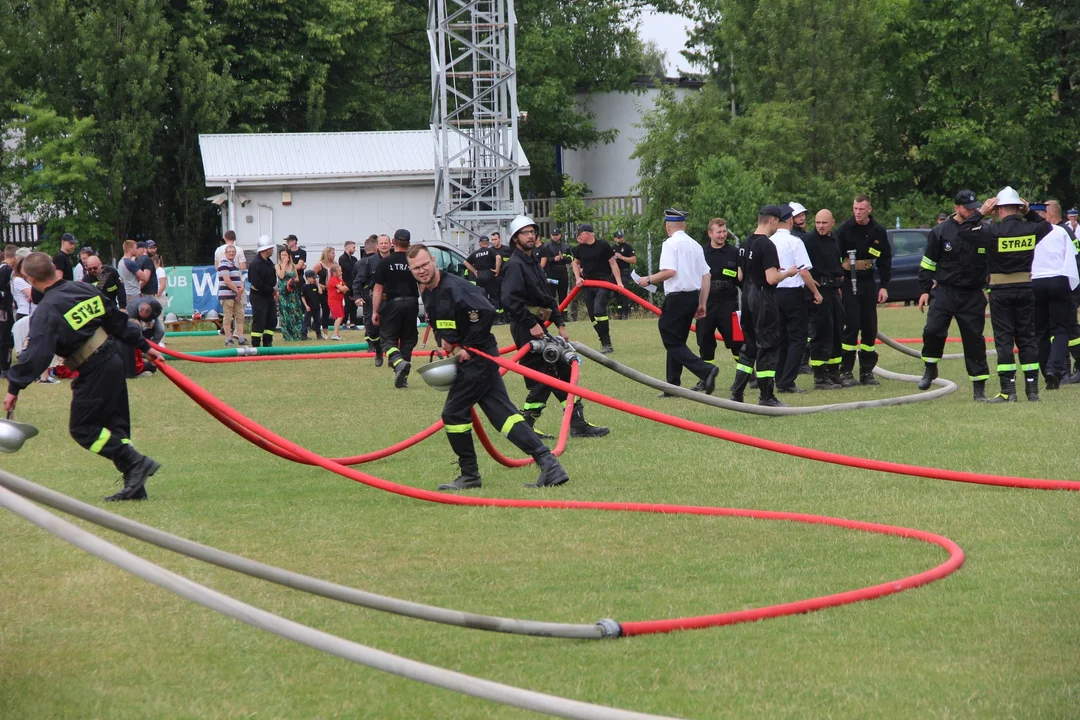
[331, 215]
[608, 169]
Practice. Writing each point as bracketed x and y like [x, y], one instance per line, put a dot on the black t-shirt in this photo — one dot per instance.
[623, 250]
[62, 261]
[299, 254]
[761, 255]
[145, 262]
[394, 276]
[553, 267]
[504, 251]
[483, 258]
[6, 297]
[311, 295]
[594, 260]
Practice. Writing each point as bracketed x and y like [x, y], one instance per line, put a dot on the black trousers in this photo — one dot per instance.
[350, 307]
[748, 352]
[539, 392]
[1012, 315]
[596, 304]
[827, 320]
[1054, 317]
[371, 330]
[718, 312]
[313, 319]
[263, 320]
[1074, 329]
[793, 308]
[100, 420]
[478, 383]
[860, 325]
[623, 304]
[397, 329]
[675, 320]
[324, 311]
[7, 341]
[766, 331]
[968, 307]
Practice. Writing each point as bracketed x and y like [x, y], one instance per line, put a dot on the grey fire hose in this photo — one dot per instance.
[944, 387]
[296, 581]
[290, 630]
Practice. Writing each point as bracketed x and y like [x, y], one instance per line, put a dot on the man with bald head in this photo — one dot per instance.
[107, 280]
[826, 319]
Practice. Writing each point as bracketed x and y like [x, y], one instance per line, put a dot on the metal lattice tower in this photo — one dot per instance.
[474, 117]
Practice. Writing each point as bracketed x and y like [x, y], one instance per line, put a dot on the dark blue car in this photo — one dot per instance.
[908, 247]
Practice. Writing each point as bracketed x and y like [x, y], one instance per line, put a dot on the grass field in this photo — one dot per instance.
[999, 638]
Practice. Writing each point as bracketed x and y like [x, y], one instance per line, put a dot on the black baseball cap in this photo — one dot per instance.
[291, 238]
[310, 273]
[68, 237]
[786, 212]
[771, 211]
[943, 216]
[585, 227]
[557, 231]
[403, 235]
[484, 238]
[967, 199]
[619, 233]
[141, 244]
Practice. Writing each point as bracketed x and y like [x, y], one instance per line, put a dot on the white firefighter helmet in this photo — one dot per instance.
[1008, 196]
[520, 222]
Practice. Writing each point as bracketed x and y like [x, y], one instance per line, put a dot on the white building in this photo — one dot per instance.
[325, 188]
[607, 169]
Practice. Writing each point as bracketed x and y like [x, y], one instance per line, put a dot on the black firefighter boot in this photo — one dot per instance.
[847, 367]
[137, 469]
[822, 381]
[742, 378]
[580, 427]
[531, 416]
[978, 390]
[469, 479]
[866, 370]
[1008, 389]
[768, 397]
[928, 376]
[832, 373]
[1031, 385]
[552, 473]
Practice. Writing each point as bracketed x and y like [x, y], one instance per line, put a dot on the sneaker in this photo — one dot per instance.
[230, 342]
[145, 374]
[49, 381]
[335, 337]
[243, 341]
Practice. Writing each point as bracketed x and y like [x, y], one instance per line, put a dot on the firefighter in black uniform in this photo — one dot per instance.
[394, 307]
[861, 238]
[462, 318]
[1010, 249]
[263, 280]
[555, 258]
[75, 321]
[723, 260]
[595, 260]
[952, 275]
[481, 267]
[502, 256]
[626, 259]
[107, 281]
[363, 283]
[529, 304]
[826, 319]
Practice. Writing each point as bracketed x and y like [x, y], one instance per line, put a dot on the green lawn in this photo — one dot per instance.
[999, 638]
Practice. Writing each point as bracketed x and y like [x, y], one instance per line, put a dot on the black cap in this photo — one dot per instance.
[485, 238]
[786, 212]
[292, 238]
[403, 235]
[310, 273]
[619, 233]
[770, 210]
[68, 237]
[967, 199]
[943, 216]
[557, 231]
[585, 227]
[141, 244]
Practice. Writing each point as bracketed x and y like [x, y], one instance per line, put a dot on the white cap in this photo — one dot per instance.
[265, 243]
[796, 208]
[1008, 196]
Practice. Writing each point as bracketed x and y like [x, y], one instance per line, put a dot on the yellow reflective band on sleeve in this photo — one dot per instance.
[1016, 244]
[766, 374]
[731, 273]
[867, 348]
[848, 348]
[510, 423]
[445, 324]
[874, 251]
[1074, 342]
[928, 264]
[102, 439]
[84, 312]
[458, 428]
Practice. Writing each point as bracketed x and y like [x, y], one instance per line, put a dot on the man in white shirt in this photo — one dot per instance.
[793, 296]
[239, 302]
[686, 279]
[1054, 276]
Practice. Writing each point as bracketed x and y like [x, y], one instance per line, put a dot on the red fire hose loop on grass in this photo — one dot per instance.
[955, 560]
[784, 448]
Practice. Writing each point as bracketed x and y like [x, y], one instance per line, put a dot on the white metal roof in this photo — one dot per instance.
[261, 158]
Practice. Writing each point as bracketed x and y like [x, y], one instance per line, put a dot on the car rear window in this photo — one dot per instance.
[908, 242]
